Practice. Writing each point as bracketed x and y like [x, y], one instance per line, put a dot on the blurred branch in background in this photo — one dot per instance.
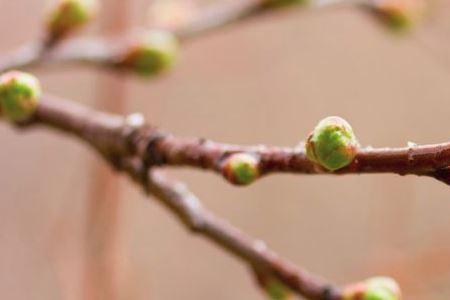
[401, 15]
[106, 270]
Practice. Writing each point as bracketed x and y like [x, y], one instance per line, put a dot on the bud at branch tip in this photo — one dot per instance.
[153, 52]
[400, 15]
[377, 288]
[19, 95]
[66, 16]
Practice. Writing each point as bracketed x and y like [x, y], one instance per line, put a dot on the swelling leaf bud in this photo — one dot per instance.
[68, 15]
[277, 290]
[19, 95]
[377, 288]
[400, 14]
[280, 3]
[154, 52]
[332, 144]
[241, 168]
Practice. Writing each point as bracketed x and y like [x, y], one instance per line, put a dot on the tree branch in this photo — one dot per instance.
[135, 148]
[110, 135]
[104, 52]
[114, 134]
[199, 220]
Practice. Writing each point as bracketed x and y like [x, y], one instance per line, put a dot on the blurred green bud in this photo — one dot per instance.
[277, 290]
[19, 95]
[400, 15]
[332, 144]
[154, 52]
[279, 3]
[377, 288]
[68, 15]
[241, 168]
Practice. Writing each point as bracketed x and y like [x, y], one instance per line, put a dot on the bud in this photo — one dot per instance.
[400, 14]
[277, 290]
[68, 15]
[154, 52]
[377, 288]
[279, 3]
[19, 95]
[332, 144]
[241, 168]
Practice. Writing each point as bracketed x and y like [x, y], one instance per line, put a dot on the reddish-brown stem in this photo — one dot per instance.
[111, 134]
[199, 220]
[428, 160]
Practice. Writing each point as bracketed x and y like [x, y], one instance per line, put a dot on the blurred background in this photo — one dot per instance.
[71, 229]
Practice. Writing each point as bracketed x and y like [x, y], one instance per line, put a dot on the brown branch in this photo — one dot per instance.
[426, 160]
[135, 148]
[127, 142]
[111, 134]
[199, 220]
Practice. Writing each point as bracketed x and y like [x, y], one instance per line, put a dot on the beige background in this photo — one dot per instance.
[268, 80]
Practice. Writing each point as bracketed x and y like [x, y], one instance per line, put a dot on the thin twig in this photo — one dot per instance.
[199, 220]
[103, 52]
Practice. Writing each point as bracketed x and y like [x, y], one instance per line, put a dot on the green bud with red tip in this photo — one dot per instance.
[332, 144]
[377, 288]
[400, 15]
[68, 15]
[19, 95]
[153, 52]
[241, 168]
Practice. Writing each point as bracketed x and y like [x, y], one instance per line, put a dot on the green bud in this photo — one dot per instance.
[241, 168]
[154, 52]
[277, 290]
[382, 288]
[377, 288]
[19, 95]
[332, 144]
[280, 3]
[68, 15]
[400, 15]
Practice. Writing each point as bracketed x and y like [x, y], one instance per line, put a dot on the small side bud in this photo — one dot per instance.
[332, 144]
[377, 288]
[274, 288]
[400, 15]
[19, 95]
[280, 3]
[68, 15]
[154, 52]
[241, 168]
[277, 290]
